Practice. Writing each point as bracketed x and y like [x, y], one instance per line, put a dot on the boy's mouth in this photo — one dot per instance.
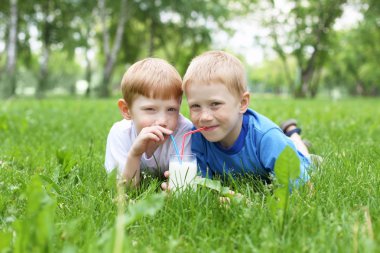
[210, 128]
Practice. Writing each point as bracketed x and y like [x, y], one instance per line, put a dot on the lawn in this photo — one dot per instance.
[55, 195]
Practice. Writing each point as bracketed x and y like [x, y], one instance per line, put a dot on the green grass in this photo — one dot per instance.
[56, 197]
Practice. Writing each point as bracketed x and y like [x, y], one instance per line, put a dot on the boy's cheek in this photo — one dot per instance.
[175, 125]
[193, 119]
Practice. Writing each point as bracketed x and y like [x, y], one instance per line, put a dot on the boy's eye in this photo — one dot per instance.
[214, 104]
[194, 107]
[172, 109]
[148, 109]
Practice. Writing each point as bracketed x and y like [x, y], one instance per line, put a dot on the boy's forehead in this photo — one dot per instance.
[203, 86]
[151, 100]
[204, 83]
[208, 91]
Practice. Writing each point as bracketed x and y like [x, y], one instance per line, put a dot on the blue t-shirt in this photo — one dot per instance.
[255, 151]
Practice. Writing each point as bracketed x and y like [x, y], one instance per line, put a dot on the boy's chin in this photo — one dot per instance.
[211, 138]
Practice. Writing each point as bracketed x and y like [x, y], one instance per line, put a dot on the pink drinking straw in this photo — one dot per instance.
[186, 134]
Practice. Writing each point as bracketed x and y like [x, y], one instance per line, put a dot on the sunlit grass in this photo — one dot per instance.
[62, 143]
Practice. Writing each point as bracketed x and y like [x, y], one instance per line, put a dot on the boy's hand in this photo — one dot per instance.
[165, 185]
[149, 139]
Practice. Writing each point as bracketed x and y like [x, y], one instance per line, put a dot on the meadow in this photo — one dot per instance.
[55, 195]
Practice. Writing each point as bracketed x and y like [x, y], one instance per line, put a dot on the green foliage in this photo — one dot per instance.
[355, 56]
[270, 77]
[5, 241]
[144, 208]
[287, 170]
[36, 231]
[287, 167]
[308, 26]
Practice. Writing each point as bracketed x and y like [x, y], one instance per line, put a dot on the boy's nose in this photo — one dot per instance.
[206, 115]
[161, 122]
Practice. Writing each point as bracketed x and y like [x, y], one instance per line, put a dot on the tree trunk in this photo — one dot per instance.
[110, 54]
[306, 78]
[43, 74]
[88, 73]
[315, 83]
[12, 50]
[359, 88]
[44, 59]
[107, 73]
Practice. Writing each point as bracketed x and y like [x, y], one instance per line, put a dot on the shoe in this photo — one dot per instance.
[292, 122]
[287, 123]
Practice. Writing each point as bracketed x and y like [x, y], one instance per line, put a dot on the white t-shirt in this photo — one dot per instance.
[123, 134]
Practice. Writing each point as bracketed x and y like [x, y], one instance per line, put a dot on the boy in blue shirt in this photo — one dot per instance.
[237, 140]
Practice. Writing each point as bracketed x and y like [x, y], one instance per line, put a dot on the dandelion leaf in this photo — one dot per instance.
[209, 183]
[145, 207]
[287, 166]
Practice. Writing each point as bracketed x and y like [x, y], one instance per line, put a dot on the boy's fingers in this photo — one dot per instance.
[166, 130]
[165, 186]
[160, 132]
[166, 174]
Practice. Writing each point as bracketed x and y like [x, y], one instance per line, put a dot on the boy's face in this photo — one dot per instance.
[147, 112]
[215, 107]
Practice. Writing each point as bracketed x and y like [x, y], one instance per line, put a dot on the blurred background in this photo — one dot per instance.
[300, 48]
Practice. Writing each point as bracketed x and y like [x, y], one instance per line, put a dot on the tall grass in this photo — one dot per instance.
[56, 196]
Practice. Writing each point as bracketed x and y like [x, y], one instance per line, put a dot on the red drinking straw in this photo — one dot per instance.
[186, 134]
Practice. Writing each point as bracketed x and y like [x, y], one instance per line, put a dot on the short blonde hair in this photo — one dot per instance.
[217, 67]
[153, 78]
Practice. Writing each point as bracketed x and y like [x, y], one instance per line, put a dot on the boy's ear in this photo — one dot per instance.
[124, 109]
[244, 102]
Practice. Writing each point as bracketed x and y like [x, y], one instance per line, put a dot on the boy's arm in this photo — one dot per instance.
[131, 172]
[146, 142]
[271, 146]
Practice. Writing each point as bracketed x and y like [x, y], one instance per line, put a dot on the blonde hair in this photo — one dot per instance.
[217, 67]
[153, 78]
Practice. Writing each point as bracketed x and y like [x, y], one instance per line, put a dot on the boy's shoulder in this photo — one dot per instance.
[259, 122]
[122, 128]
[184, 123]
[122, 124]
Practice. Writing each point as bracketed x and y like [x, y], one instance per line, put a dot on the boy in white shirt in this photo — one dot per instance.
[152, 96]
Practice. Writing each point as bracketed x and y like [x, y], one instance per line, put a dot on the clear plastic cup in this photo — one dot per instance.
[182, 172]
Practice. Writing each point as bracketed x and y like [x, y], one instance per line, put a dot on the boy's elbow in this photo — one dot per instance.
[131, 181]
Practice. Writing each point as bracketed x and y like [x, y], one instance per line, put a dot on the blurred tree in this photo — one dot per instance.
[52, 18]
[185, 27]
[8, 77]
[10, 69]
[355, 55]
[84, 29]
[174, 30]
[270, 77]
[16, 38]
[107, 15]
[125, 30]
[4, 17]
[63, 77]
[368, 34]
[303, 29]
